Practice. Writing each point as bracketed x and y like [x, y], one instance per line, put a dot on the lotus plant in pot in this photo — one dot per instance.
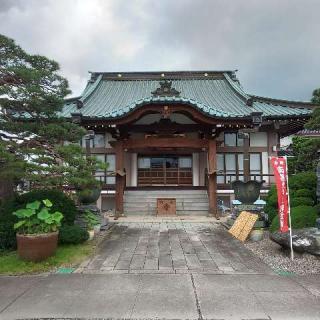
[37, 230]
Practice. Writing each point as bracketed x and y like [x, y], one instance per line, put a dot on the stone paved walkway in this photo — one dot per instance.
[172, 247]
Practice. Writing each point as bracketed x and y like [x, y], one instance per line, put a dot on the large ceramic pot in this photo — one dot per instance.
[89, 196]
[247, 192]
[256, 235]
[37, 247]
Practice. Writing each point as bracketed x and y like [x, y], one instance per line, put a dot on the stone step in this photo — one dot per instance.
[154, 205]
[161, 192]
[179, 213]
[144, 202]
[154, 200]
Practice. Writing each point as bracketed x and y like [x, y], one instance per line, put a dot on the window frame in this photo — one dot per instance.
[260, 163]
[238, 173]
[105, 173]
[237, 139]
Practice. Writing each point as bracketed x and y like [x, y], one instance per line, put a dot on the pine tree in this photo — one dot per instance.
[314, 122]
[32, 132]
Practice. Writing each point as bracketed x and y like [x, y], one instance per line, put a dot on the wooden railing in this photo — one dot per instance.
[181, 177]
[169, 176]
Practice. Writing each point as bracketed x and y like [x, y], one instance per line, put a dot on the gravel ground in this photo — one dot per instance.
[279, 259]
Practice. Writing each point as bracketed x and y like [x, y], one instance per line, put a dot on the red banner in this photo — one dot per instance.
[280, 173]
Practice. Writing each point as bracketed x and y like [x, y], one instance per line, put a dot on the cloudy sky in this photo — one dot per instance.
[275, 44]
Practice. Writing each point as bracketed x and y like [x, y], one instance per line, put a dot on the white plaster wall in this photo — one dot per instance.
[259, 139]
[134, 163]
[286, 141]
[265, 165]
[107, 202]
[195, 169]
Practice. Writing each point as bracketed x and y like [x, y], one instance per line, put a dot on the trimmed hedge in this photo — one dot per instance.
[271, 207]
[61, 202]
[302, 193]
[301, 201]
[303, 180]
[301, 217]
[72, 234]
[305, 193]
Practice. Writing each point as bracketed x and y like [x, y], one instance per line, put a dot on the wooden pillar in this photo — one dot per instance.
[246, 158]
[120, 178]
[212, 178]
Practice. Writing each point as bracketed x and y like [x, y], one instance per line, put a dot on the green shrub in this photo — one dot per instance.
[302, 193]
[301, 217]
[306, 193]
[72, 235]
[7, 220]
[61, 202]
[91, 219]
[303, 180]
[317, 207]
[271, 207]
[301, 201]
[272, 212]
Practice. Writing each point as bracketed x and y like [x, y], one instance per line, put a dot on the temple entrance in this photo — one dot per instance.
[164, 170]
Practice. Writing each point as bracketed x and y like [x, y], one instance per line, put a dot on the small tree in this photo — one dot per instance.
[32, 132]
[305, 152]
[314, 122]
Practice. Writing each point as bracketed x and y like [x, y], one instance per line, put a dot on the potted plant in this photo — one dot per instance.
[92, 222]
[37, 230]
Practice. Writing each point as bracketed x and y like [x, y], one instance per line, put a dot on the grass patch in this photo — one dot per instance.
[66, 256]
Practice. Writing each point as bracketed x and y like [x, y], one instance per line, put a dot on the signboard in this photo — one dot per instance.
[243, 225]
[279, 165]
[166, 206]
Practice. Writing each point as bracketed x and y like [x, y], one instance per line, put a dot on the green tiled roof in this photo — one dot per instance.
[216, 94]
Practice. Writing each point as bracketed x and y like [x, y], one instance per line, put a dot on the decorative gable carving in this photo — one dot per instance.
[166, 90]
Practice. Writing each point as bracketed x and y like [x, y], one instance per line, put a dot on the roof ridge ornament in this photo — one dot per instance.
[166, 90]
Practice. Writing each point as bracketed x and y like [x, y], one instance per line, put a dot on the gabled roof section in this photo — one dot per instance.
[214, 93]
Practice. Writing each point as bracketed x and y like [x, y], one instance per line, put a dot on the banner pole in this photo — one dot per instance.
[289, 210]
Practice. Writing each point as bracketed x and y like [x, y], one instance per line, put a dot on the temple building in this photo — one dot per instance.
[175, 140]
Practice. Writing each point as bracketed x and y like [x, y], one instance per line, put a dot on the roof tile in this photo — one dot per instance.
[216, 97]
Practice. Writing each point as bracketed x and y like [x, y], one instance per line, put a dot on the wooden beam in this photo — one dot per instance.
[163, 127]
[154, 142]
[246, 159]
[212, 177]
[241, 149]
[120, 178]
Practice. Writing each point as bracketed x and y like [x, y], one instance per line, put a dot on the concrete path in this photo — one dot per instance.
[160, 296]
[164, 270]
[173, 247]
